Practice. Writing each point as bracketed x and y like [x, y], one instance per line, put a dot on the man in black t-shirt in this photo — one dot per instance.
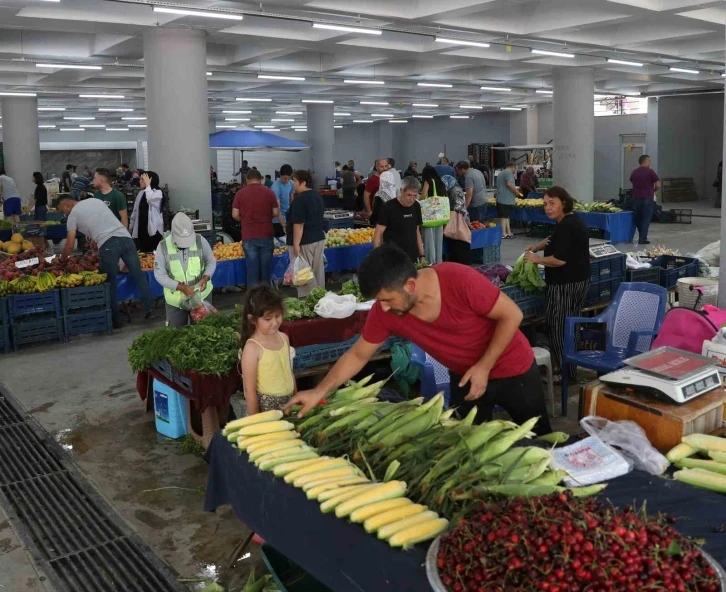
[400, 220]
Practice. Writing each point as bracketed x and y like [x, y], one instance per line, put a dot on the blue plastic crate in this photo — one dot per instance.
[602, 291]
[4, 337]
[164, 368]
[3, 311]
[604, 268]
[532, 307]
[33, 329]
[86, 297]
[30, 304]
[94, 321]
[650, 275]
[674, 268]
[517, 294]
[486, 254]
[183, 381]
[324, 353]
[329, 223]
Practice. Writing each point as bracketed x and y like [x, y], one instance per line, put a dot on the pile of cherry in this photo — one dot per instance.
[558, 543]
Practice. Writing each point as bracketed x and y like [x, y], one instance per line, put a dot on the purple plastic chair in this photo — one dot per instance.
[633, 319]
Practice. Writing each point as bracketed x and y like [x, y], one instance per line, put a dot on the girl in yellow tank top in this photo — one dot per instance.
[265, 358]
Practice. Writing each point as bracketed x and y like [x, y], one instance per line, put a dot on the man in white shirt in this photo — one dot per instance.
[390, 182]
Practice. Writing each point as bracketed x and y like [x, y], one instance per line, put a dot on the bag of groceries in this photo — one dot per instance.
[298, 272]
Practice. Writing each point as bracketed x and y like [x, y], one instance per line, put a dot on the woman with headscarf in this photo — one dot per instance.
[458, 251]
[433, 238]
[528, 183]
[147, 222]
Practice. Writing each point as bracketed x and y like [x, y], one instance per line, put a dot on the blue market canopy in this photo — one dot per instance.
[253, 140]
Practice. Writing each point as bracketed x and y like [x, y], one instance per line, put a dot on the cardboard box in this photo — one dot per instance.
[717, 353]
[664, 423]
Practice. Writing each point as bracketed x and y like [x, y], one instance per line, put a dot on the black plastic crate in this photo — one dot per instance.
[330, 223]
[540, 229]
[85, 297]
[34, 329]
[681, 216]
[608, 267]
[595, 233]
[603, 291]
[517, 294]
[95, 321]
[486, 254]
[675, 267]
[532, 307]
[648, 276]
[21, 305]
[4, 337]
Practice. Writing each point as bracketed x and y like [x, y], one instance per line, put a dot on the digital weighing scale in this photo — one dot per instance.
[603, 250]
[670, 374]
[337, 214]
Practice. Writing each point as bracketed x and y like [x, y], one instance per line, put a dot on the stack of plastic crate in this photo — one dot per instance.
[86, 310]
[35, 317]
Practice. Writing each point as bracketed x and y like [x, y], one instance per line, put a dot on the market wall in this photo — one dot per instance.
[610, 133]
[545, 123]
[690, 132]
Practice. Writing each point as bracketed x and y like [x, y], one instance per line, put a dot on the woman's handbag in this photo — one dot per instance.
[435, 210]
[457, 228]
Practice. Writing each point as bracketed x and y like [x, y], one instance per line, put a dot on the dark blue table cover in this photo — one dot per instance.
[55, 231]
[619, 227]
[345, 558]
[350, 257]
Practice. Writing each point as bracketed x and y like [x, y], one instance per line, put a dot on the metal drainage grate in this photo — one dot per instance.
[74, 535]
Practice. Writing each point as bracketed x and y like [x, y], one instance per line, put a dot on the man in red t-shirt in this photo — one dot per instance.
[458, 317]
[255, 206]
[373, 184]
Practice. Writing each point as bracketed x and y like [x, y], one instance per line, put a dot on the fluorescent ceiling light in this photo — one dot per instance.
[424, 105]
[253, 100]
[281, 119]
[17, 94]
[362, 121]
[624, 62]
[557, 54]
[684, 70]
[629, 94]
[351, 81]
[509, 109]
[458, 117]
[278, 112]
[263, 126]
[209, 73]
[79, 118]
[320, 101]
[115, 109]
[347, 29]
[338, 126]
[382, 115]
[723, 75]
[51, 108]
[461, 42]
[341, 114]
[397, 121]
[85, 125]
[101, 97]
[423, 116]
[435, 84]
[134, 118]
[276, 77]
[271, 129]
[236, 118]
[495, 88]
[46, 127]
[117, 129]
[541, 91]
[300, 129]
[237, 112]
[217, 15]
[72, 129]
[137, 125]
[373, 103]
[471, 107]
[69, 66]
[225, 126]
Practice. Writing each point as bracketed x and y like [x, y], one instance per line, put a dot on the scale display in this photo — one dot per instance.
[603, 250]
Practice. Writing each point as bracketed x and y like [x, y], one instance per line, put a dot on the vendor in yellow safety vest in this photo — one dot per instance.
[183, 264]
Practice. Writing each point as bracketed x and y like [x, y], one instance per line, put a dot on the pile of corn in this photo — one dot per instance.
[709, 471]
[339, 485]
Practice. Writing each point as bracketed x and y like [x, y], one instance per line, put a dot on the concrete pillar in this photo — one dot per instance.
[21, 141]
[574, 132]
[213, 153]
[532, 125]
[722, 276]
[651, 133]
[176, 112]
[321, 139]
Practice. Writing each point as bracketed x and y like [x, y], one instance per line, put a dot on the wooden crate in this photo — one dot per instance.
[664, 423]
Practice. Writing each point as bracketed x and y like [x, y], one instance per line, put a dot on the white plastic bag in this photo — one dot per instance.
[589, 461]
[710, 254]
[333, 306]
[298, 272]
[629, 439]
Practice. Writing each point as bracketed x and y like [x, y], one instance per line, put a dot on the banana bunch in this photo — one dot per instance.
[597, 206]
[5, 288]
[93, 278]
[70, 280]
[46, 282]
[529, 203]
[24, 285]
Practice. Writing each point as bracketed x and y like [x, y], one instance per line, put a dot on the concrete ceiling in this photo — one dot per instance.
[277, 38]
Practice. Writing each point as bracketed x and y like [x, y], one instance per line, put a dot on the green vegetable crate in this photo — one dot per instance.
[486, 254]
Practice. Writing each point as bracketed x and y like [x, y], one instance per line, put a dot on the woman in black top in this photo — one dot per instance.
[567, 266]
[305, 232]
[41, 197]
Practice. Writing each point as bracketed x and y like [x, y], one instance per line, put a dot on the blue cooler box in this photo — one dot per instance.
[170, 409]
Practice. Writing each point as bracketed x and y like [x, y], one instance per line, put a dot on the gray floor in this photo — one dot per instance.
[84, 394]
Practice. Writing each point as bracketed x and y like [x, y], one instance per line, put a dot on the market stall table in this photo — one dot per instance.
[342, 556]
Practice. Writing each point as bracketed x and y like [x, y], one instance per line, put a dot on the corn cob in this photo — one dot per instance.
[345, 492]
[418, 533]
[705, 442]
[314, 492]
[377, 521]
[717, 456]
[368, 511]
[237, 424]
[680, 451]
[269, 464]
[290, 466]
[244, 442]
[355, 478]
[266, 427]
[324, 462]
[258, 450]
[697, 463]
[387, 531]
[327, 471]
[389, 490]
[702, 478]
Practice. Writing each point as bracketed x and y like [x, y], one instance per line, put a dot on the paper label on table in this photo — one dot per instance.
[49, 259]
[27, 263]
[589, 461]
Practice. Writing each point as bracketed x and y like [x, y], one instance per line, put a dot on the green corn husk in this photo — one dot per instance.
[555, 438]
[550, 478]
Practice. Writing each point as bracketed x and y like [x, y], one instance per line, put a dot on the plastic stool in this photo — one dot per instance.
[543, 358]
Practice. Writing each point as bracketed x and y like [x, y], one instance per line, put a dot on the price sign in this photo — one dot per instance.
[49, 259]
[27, 263]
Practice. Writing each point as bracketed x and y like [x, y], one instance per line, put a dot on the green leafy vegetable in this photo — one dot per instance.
[351, 287]
[525, 275]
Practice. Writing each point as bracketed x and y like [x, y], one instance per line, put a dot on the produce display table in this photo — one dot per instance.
[342, 556]
[486, 237]
[350, 257]
[317, 330]
[619, 227]
[54, 231]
